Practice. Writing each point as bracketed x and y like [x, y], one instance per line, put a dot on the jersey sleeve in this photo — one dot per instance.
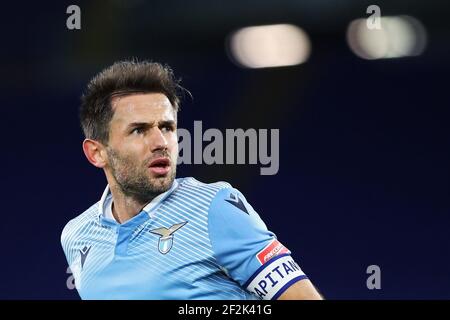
[247, 251]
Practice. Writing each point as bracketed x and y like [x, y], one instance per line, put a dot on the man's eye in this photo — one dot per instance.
[138, 130]
[167, 128]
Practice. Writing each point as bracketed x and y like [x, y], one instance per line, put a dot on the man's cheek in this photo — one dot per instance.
[174, 151]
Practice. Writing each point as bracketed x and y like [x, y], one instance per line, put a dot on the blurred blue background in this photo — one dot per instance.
[364, 144]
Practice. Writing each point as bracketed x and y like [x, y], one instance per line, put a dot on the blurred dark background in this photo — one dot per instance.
[364, 144]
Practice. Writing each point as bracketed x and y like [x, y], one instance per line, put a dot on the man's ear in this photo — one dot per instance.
[95, 153]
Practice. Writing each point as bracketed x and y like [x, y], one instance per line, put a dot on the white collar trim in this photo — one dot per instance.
[105, 202]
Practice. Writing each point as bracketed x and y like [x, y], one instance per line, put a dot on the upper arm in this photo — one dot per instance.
[247, 250]
[301, 290]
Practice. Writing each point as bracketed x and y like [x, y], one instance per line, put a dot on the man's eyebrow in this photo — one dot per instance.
[140, 124]
[151, 124]
[167, 123]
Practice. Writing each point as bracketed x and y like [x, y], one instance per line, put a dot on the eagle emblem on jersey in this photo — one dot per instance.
[165, 242]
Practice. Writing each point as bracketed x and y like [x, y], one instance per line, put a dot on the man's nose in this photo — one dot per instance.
[157, 140]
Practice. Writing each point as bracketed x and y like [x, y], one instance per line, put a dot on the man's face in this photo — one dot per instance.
[143, 145]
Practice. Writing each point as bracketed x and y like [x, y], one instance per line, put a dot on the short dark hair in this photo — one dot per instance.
[123, 78]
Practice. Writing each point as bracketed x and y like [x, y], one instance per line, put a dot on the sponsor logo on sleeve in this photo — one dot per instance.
[273, 249]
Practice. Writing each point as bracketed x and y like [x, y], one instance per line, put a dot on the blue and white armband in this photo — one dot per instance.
[275, 277]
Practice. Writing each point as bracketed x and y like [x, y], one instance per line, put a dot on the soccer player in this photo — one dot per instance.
[152, 236]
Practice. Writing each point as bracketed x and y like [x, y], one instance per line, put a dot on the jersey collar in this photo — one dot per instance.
[149, 208]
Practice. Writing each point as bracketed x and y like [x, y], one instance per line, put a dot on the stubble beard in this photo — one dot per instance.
[133, 178]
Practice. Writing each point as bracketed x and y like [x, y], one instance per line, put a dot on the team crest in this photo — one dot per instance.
[165, 241]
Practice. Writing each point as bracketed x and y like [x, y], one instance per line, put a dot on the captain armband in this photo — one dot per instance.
[274, 277]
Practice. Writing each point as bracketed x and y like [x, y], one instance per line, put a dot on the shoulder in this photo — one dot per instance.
[78, 224]
[209, 199]
[216, 194]
[207, 191]
[192, 183]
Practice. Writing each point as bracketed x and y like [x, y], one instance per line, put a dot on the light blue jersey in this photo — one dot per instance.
[196, 241]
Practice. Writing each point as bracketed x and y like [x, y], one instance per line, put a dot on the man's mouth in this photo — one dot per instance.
[160, 166]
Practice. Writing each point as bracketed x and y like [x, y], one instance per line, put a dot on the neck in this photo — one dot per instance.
[124, 207]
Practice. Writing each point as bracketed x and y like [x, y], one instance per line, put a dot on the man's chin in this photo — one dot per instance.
[162, 186]
[163, 183]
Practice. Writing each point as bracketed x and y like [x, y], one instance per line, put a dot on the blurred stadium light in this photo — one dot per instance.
[269, 46]
[399, 36]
